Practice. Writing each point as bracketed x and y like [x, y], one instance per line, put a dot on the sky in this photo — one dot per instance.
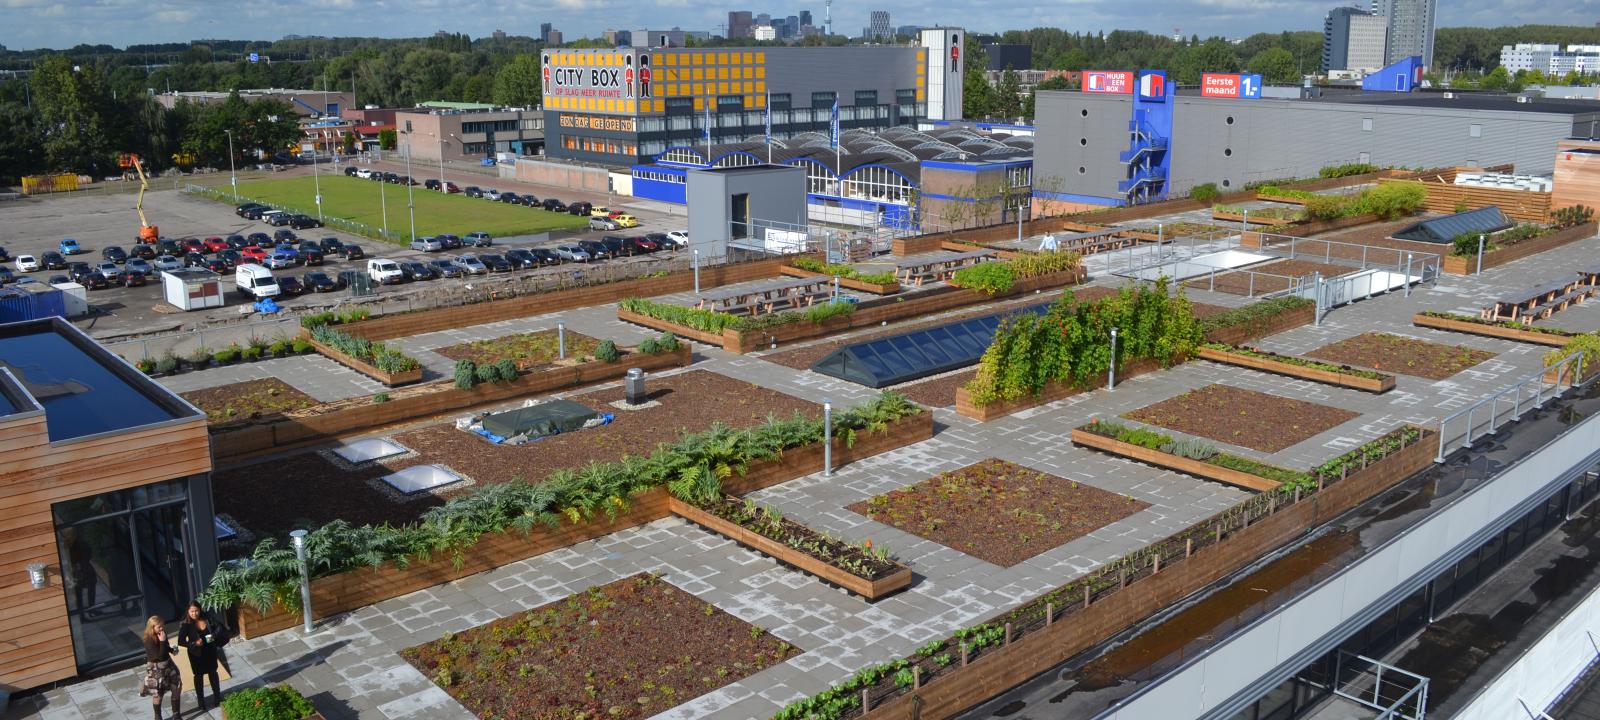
[27, 24]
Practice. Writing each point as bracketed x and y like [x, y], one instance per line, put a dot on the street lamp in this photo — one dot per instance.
[441, 159]
[232, 173]
[411, 207]
[316, 179]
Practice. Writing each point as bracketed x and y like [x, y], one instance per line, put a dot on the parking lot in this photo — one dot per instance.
[34, 226]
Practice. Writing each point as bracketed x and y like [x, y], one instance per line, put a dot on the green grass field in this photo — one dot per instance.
[357, 201]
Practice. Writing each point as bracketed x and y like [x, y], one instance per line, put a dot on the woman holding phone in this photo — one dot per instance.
[160, 673]
[197, 634]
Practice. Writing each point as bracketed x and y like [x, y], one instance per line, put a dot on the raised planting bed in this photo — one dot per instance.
[589, 502]
[1247, 418]
[1505, 330]
[530, 350]
[1097, 437]
[279, 702]
[1050, 393]
[1256, 217]
[1407, 356]
[628, 649]
[391, 379]
[248, 400]
[998, 511]
[946, 676]
[1257, 320]
[1467, 265]
[1341, 375]
[863, 570]
[853, 282]
[325, 422]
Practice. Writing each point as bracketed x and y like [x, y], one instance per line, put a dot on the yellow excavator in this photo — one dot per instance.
[147, 233]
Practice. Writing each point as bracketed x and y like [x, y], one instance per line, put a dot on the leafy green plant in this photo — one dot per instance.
[607, 351]
[146, 365]
[1192, 448]
[1258, 314]
[1587, 345]
[488, 373]
[226, 355]
[466, 374]
[1368, 453]
[841, 270]
[316, 320]
[278, 348]
[280, 702]
[1297, 361]
[300, 346]
[1573, 215]
[668, 342]
[199, 357]
[380, 398]
[1035, 264]
[356, 314]
[379, 355]
[1283, 192]
[649, 346]
[1205, 192]
[1390, 200]
[1346, 170]
[506, 369]
[250, 353]
[990, 278]
[709, 321]
[829, 310]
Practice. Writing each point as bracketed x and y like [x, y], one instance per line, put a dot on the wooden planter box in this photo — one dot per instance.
[240, 441]
[1050, 394]
[1280, 199]
[1272, 325]
[1253, 219]
[1203, 470]
[360, 587]
[1381, 385]
[1458, 265]
[844, 282]
[682, 331]
[869, 589]
[1308, 228]
[361, 366]
[1487, 330]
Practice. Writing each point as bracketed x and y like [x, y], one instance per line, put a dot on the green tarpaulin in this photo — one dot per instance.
[556, 416]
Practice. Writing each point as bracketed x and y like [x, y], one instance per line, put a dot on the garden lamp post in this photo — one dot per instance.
[316, 179]
[697, 271]
[298, 540]
[1408, 273]
[1480, 255]
[1111, 372]
[561, 339]
[827, 438]
[411, 207]
[233, 174]
[383, 201]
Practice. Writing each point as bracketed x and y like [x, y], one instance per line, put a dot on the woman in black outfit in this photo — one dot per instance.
[160, 673]
[199, 635]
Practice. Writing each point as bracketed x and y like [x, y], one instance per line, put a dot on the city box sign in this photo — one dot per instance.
[607, 81]
[1229, 85]
[1109, 82]
[596, 122]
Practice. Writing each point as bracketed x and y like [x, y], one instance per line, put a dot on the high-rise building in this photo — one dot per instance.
[544, 32]
[1353, 39]
[553, 38]
[763, 19]
[1410, 28]
[805, 17]
[739, 22]
[880, 29]
[1016, 57]
[764, 32]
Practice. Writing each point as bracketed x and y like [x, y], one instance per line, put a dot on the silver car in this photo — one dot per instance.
[471, 265]
[167, 263]
[491, 194]
[572, 253]
[603, 223]
[427, 244]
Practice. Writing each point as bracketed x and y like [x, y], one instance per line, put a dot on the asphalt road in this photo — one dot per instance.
[97, 219]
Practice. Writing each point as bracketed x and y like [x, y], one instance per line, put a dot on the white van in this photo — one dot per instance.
[384, 272]
[365, 173]
[255, 281]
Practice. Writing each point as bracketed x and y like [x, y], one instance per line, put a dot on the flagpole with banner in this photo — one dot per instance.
[708, 132]
[769, 127]
[838, 167]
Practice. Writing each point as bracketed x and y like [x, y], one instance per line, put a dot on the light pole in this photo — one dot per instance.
[297, 538]
[441, 160]
[1111, 372]
[316, 179]
[411, 207]
[233, 174]
[383, 200]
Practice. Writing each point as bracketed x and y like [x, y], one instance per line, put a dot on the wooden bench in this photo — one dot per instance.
[916, 272]
[1544, 310]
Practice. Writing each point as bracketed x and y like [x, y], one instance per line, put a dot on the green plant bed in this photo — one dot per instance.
[1299, 362]
[842, 271]
[1199, 451]
[279, 702]
[712, 321]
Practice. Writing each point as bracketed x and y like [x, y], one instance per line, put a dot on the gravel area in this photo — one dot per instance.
[1240, 283]
[1246, 418]
[248, 400]
[1399, 354]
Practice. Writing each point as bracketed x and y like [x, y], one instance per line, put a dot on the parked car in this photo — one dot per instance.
[446, 268]
[528, 200]
[52, 260]
[375, 176]
[139, 250]
[114, 254]
[138, 265]
[240, 243]
[193, 245]
[365, 173]
[349, 171]
[509, 198]
[166, 263]
[639, 245]
[131, 278]
[491, 194]
[319, 282]
[170, 248]
[572, 253]
[522, 259]
[391, 178]
[346, 278]
[546, 256]
[625, 220]
[451, 187]
[597, 250]
[660, 239]
[478, 239]
[352, 252]
[245, 209]
[554, 205]
[280, 219]
[580, 208]
[613, 245]
[258, 212]
[471, 265]
[679, 238]
[329, 245]
[69, 247]
[408, 180]
[599, 211]
[603, 223]
[108, 269]
[254, 253]
[4, 256]
[93, 281]
[281, 258]
[194, 259]
[417, 271]
[283, 235]
[495, 263]
[231, 257]
[473, 191]
[290, 285]
[214, 244]
[302, 222]
[25, 280]
[450, 241]
[28, 263]
[385, 272]
[310, 254]
[427, 244]
[217, 265]
[79, 271]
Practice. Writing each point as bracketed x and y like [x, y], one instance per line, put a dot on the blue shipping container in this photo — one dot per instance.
[20, 304]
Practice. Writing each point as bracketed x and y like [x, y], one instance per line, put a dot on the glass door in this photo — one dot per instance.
[159, 539]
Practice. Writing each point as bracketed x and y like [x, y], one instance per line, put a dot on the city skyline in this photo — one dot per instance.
[38, 24]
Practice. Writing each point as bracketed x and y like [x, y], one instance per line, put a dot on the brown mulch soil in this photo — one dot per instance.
[998, 511]
[1238, 283]
[248, 399]
[802, 357]
[628, 649]
[528, 350]
[1246, 418]
[306, 490]
[1398, 354]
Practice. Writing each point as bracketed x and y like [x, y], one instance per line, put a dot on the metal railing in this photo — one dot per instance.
[1508, 405]
[1396, 694]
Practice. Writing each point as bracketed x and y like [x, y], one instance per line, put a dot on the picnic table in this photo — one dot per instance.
[770, 297]
[1589, 276]
[1541, 301]
[920, 270]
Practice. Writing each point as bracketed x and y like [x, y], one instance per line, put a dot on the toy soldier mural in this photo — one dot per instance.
[627, 74]
[544, 70]
[644, 76]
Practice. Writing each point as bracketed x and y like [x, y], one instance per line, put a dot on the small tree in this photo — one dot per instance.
[1205, 192]
[348, 142]
[506, 369]
[466, 374]
[388, 139]
[606, 351]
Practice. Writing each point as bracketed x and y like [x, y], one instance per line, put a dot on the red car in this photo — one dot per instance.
[193, 245]
[451, 187]
[253, 253]
[215, 244]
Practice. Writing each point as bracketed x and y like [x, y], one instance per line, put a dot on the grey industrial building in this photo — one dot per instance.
[1232, 142]
[1410, 28]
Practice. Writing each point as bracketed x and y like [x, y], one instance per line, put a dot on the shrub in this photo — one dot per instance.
[1346, 170]
[251, 353]
[381, 356]
[820, 313]
[1327, 207]
[260, 343]
[1205, 192]
[1256, 313]
[841, 270]
[300, 346]
[166, 364]
[226, 355]
[1283, 192]
[709, 321]
[668, 342]
[1466, 244]
[272, 703]
[1029, 265]
[279, 348]
[606, 351]
[507, 369]
[990, 278]
[466, 374]
[146, 365]
[380, 398]
[351, 315]
[316, 320]
[1587, 344]
[198, 356]
[1192, 448]
[488, 373]
[650, 347]
[1569, 216]
[1390, 200]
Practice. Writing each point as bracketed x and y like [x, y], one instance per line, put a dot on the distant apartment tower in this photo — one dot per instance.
[880, 28]
[553, 38]
[544, 32]
[739, 23]
[499, 35]
[764, 32]
[805, 17]
[1410, 29]
[1353, 39]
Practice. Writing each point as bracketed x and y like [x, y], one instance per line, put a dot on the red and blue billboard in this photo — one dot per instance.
[1113, 82]
[1230, 85]
[1153, 86]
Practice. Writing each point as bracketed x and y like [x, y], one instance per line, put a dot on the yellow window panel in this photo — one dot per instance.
[658, 105]
[922, 95]
[724, 88]
[722, 58]
[610, 106]
[749, 87]
[761, 86]
[761, 58]
[761, 101]
[921, 81]
[761, 72]
[699, 104]
[699, 89]
[698, 58]
[699, 74]
[722, 73]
